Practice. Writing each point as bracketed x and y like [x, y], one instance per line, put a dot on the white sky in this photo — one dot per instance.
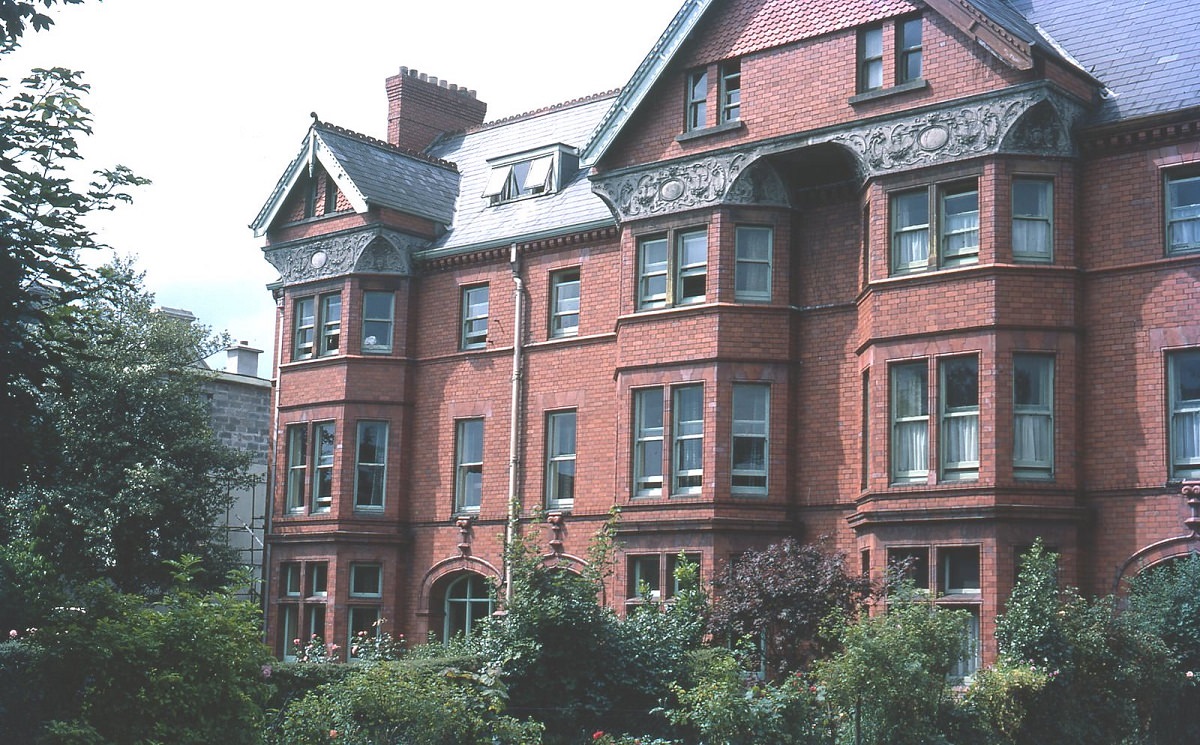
[210, 100]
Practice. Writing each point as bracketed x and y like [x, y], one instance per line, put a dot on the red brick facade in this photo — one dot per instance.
[829, 338]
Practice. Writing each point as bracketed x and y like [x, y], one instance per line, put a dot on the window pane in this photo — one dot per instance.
[323, 460]
[652, 273]
[469, 478]
[688, 409]
[648, 435]
[564, 300]
[750, 415]
[366, 579]
[475, 316]
[910, 230]
[305, 322]
[1033, 416]
[560, 454]
[372, 463]
[752, 277]
[910, 421]
[693, 258]
[1185, 413]
[960, 418]
[960, 226]
[1183, 213]
[377, 321]
[331, 323]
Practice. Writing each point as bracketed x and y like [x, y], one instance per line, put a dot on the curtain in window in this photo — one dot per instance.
[912, 446]
[962, 439]
[962, 223]
[1031, 237]
[1033, 439]
[1187, 438]
[1183, 214]
[912, 247]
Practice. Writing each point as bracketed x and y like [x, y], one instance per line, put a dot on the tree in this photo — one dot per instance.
[42, 228]
[782, 595]
[134, 475]
[15, 14]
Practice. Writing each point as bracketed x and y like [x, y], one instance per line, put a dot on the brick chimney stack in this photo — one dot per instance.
[421, 107]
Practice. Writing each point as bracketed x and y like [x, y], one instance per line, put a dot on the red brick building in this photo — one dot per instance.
[920, 277]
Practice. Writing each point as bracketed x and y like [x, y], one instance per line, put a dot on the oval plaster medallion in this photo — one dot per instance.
[318, 259]
[933, 138]
[671, 190]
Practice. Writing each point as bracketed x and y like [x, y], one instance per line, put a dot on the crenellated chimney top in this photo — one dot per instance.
[422, 107]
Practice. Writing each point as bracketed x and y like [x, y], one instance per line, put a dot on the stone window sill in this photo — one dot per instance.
[912, 85]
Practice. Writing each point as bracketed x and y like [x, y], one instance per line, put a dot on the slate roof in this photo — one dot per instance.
[389, 176]
[574, 207]
[1146, 52]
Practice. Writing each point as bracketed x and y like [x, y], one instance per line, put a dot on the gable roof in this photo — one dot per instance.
[371, 173]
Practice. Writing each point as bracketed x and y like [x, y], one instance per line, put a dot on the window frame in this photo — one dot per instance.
[470, 336]
[758, 429]
[358, 567]
[1172, 179]
[1039, 467]
[949, 414]
[316, 577]
[371, 320]
[757, 295]
[324, 457]
[671, 273]
[330, 323]
[469, 603]
[647, 482]
[868, 61]
[950, 562]
[378, 467]
[1019, 251]
[1181, 465]
[296, 486]
[564, 307]
[687, 440]
[289, 579]
[906, 51]
[695, 105]
[304, 323]
[464, 468]
[556, 461]
[897, 420]
[729, 73]
[647, 569]
[936, 229]
[355, 617]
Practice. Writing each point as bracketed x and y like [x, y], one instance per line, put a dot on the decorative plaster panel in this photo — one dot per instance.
[375, 251]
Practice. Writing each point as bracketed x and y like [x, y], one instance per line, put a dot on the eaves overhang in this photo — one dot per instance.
[446, 252]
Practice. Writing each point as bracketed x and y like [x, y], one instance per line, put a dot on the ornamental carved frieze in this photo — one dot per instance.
[374, 251]
[938, 136]
[758, 184]
[674, 187]
[1044, 130]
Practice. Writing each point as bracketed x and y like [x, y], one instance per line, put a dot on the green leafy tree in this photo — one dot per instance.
[43, 212]
[134, 474]
[16, 15]
[782, 595]
[114, 668]
[890, 681]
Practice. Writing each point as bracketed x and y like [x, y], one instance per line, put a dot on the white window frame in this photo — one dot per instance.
[377, 325]
[901, 231]
[968, 252]
[953, 417]
[689, 272]
[665, 275]
[938, 253]
[687, 441]
[370, 472]
[565, 302]
[304, 319]
[649, 418]
[560, 461]
[1181, 219]
[468, 466]
[747, 238]
[1033, 418]
[476, 306]
[903, 420]
[753, 399]
[653, 285]
[1039, 220]
[1183, 427]
[324, 454]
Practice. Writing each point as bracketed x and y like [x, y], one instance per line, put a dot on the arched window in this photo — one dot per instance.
[468, 600]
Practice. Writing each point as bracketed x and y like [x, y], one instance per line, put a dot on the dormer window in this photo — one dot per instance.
[530, 174]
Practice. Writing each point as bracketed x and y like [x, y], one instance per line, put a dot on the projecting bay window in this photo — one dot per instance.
[751, 407]
[1033, 416]
[323, 452]
[468, 476]
[560, 459]
[648, 442]
[564, 303]
[297, 467]
[1032, 219]
[915, 247]
[321, 314]
[687, 407]
[731, 90]
[696, 112]
[959, 435]
[667, 278]
[377, 322]
[752, 270]
[1183, 381]
[910, 422]
[371, 466]
[1183, 211]
[474, 317]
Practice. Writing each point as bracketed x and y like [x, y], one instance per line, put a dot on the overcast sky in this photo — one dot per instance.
[210, 100]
